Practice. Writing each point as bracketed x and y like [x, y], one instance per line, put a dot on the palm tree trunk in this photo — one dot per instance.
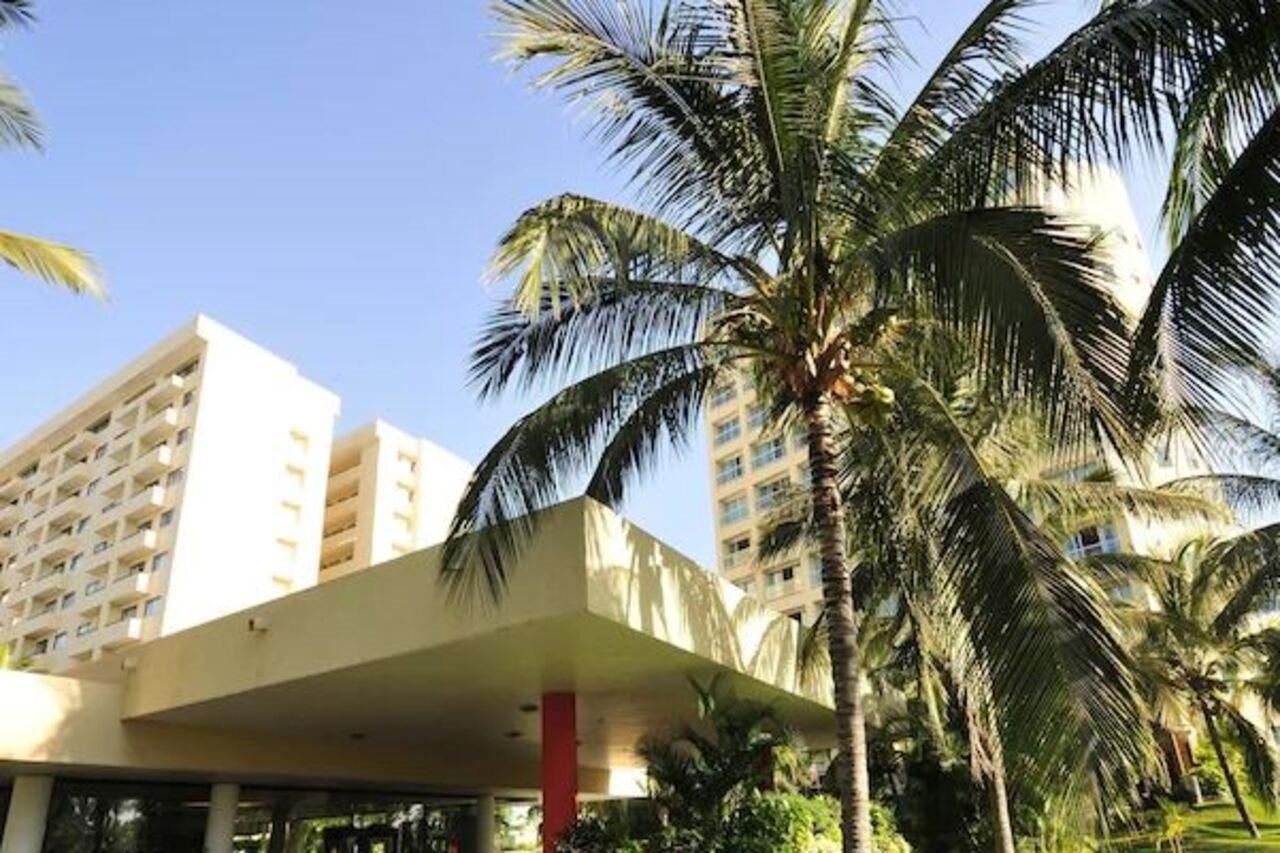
[1221, 755]
[1000, 810]
[837, 596]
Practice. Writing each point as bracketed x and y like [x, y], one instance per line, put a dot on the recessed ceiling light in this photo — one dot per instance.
[513, 734]
[529, 707]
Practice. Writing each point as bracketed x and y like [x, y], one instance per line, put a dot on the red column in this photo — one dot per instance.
[559, 766]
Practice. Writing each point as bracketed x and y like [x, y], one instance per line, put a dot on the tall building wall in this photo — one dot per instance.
[389, 493]
[157, 500]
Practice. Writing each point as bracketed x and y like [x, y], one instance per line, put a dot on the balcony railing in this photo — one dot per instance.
[122, 632]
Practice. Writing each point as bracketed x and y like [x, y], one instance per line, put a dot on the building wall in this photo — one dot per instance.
[254, 502]
[155, 500]
[389, 493]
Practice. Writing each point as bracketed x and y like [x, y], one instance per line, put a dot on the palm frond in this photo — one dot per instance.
[1064, 504]
[617, 322]
[16, 13]
[1246, 567]
[1200, 325]
[1103, 91]
[53, 262]
[528, 469]
[1028, 293]
[19, 125]
[561, 251]
[1258, 753]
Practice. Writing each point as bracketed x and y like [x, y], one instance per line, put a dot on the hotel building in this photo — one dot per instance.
[389, 494]
[188, 485]
[752, 463]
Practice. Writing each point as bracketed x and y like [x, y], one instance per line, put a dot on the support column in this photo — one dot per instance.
[28, 813]
[559, 766]
[486, 824]
[220, 827]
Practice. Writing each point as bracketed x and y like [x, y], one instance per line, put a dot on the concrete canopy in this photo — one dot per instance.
[377, 679]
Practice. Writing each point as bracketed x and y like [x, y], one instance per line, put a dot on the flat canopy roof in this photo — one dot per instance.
[378, 679]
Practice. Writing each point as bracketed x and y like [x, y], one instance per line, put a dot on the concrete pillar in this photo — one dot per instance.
[486, 824]
[220, 827]
[559, 766]
[28, 813]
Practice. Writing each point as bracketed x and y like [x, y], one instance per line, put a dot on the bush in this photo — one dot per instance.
[761, 823]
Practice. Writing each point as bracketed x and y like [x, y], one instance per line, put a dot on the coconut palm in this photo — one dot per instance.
[1203, 651]
[19, 127]
[793, 223]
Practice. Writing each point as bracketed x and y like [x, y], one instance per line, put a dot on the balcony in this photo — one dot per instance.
[342, 510]
[81, 643]
[121, 633]
[9, 513]
[145, 504]
[67, 510]
[58, 548]
[74, 476]
[159, 426]
[167, 390]
[136, 545]
[131, 587]
[8, 544]
[81, 445]
[153, 463]
[10, 489]
[40, 624]
[53, 582]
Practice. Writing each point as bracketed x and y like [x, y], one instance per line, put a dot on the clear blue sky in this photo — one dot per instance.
[327, 178]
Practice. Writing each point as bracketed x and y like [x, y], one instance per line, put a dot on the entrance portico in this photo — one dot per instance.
[377, 682]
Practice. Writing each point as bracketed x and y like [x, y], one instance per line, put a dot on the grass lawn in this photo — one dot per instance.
[1216, 828]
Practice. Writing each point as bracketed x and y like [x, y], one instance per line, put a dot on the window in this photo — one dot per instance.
[129, 612]
[772, 493]
[160, 561]
[728, 470]
[166, 518]
[152, 607]
[188, 398]
[74, 562]
[59, 640]
[735, 551]
[183, 435]
[768, 452]
[99, 452]
[82, 524]
[85, 628]
[1093, 540]
[68, 600]
[747, 585]
[187, 369]
[727, 430]
[41, 647]
[722, 394]
[48, 606]
[815, 571]
[296, 475]
[138, 568]
[733, 510]
[175, 478]
[94, 586]
[755, 416]
[100, 546]
[779, 581]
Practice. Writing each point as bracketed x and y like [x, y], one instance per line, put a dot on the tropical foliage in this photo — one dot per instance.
[1205, 654]
[20, 128]
[796, 223]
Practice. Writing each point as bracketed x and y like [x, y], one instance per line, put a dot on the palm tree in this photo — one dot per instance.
[19, 127]
[795, 223]
[1202, 650]
[700, 773]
